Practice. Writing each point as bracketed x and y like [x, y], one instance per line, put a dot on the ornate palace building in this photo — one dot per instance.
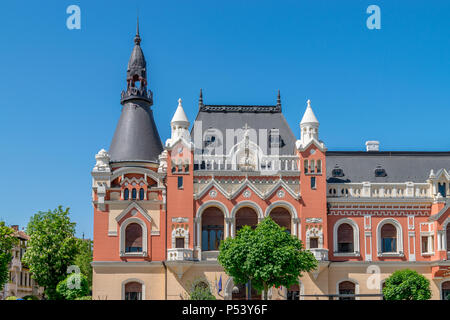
[160, 211]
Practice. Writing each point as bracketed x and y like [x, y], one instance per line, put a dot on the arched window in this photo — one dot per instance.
[388, 238]
[293, 293]
[133, 238]
[346, 287]
[133, 194]
[282, 217]
[212, 228]
[133, 291]
[442, 189]
[141, 194]
[246, 216]
[345, 238]
[448, 238]
[126, 194]
[446, 290]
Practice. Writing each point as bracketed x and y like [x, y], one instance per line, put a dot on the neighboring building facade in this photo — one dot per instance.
[160, 212]
[20, 283]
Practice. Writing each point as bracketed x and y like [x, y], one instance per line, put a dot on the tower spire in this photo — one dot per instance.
[200, 100]
[137, 38]
[136, 137]
[279, 100]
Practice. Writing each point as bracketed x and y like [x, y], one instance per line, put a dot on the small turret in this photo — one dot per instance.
[309, 126]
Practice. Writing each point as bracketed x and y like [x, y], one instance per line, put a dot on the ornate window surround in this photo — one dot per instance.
[180, 233]
[122, 236]
[400, 252]
[350, 280]
[133, 280]
[356, 250]
[314, 232]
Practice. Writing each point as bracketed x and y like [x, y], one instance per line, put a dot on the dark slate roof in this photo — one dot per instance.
[359, 166]
[257, 117]
[136, 137]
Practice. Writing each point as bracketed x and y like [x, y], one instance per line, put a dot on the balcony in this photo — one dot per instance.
[180, 254]
[320, 254]
[210, 255]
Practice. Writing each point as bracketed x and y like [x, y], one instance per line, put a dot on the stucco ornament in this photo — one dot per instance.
[213, 193]
[102, 161]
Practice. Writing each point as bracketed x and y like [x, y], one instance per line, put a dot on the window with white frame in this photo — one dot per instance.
[427, 243]
[389, 238]
[133, 237]
[346, 237]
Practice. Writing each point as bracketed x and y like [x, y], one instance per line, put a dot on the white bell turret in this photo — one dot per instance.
[179, 125]
[309, 126]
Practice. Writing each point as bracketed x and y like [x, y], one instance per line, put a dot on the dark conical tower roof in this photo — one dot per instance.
[136, 137]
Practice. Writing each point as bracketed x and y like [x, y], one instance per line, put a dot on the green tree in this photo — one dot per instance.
[51, 248]
[267, 255]
[200, 289]
[7, 242]
[73, 287]
[407, 285]
[83, 258]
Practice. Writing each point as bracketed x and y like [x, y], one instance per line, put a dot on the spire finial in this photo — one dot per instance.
[200, 99]
[309, 103]
[279, 99]
[137, 38]
[179, 102]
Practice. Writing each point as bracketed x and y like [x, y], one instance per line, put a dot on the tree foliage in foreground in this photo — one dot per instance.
[84, 258]
[200, 289]
[267, 255]
[73, 287]
[7, 243]
[407, 285]
[51, 248]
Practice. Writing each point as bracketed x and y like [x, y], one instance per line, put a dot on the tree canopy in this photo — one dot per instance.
[407, 285]
[266, 255]
[73, 287]
[51, 248]
[84, 258]
[7, 242]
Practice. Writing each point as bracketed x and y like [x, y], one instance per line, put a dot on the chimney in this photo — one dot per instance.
[15, 227]
[372, 146]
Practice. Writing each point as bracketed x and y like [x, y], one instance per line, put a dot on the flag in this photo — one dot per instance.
[220, 285]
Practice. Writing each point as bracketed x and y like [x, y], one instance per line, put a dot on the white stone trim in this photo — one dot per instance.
[400, 252]
[440, 287]
[283, 204]
[133, 280]
[445, 225]
[355, 227]
[180, 233]
[250, 204]
[212, 203]
[351, 280]
[198, 221]
[134, 205]
[314, 232]
[146, 172]
[122, 237]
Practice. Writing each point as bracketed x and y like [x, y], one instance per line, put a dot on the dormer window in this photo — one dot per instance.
[275, 140]
[337, 172]
[380, 172]
[209, 140]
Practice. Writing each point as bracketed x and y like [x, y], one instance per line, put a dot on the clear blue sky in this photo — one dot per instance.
[60, 88]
